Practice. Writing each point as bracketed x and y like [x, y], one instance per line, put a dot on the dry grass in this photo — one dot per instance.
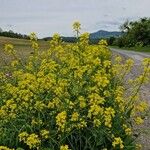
[22, 46]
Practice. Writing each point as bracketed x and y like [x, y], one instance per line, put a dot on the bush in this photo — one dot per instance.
[135, 33]
[68, 97]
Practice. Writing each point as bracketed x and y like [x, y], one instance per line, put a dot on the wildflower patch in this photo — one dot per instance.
[69, 97]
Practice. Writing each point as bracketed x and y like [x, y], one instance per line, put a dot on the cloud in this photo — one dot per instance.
[49, 16]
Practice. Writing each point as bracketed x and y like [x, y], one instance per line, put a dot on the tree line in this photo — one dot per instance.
[11, 34]
[134, 34]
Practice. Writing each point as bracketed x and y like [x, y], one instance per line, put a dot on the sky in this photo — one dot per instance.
[46, 17]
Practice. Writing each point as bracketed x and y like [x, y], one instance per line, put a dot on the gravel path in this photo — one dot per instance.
[136, 56]
[144, 138]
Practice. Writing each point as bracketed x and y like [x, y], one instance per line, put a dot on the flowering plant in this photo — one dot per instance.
[69, 97]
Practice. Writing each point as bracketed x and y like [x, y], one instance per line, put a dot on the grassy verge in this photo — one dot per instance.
[21, 44]
[22, 47]
[136, 49]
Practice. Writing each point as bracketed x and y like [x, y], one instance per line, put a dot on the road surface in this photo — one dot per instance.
[136, 56]
[144, 138]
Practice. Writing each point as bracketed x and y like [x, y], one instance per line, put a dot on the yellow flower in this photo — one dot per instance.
[107, 93]
[64, 147]
[9, 49]
[97, 122]
[35, 122]
[61, 120]
[51, 105]
[33, 36]
[76, 27]
[109, 113]
[33, 141]
[95, 110]
[138, 147]
[14, 63]
[142, 106]
[75, 116]
[23, 136]
[39, 105]
[117, 141]
[107, 63]
[5, 148]
[101, 80]
[128, 130]
[44, 134]
[95, 99]
[82, 123]
[82, 102]
[138, 120]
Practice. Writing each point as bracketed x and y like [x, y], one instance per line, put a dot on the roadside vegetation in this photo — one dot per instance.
[135, 36]
[70, 97]
[145, 49]
[22, 47]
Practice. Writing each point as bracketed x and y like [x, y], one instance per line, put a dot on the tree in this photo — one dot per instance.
[10, 31]
[125, 26]
[111, 40]
[1, 30]
[135, 33]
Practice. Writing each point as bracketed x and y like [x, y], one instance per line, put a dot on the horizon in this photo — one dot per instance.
[64, 35]
[57, 16]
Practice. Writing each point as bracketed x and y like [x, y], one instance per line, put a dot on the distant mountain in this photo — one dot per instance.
[104, 34]
[94, 37]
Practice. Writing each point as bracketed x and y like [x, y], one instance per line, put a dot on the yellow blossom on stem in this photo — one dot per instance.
[118, 142]
[138, 120]
[64, 147]
[75, 116]
[61, 120]
[45, 134]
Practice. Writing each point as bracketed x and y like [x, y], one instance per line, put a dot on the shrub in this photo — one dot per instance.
[69, 97]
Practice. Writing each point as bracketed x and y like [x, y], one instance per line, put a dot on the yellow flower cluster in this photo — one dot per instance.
[139, 120]
[9, 49]
[128, 130]
[64, 147]
[45, 134]
[75, 116]
[118, 141]
[5, 148]
[69, 94]
[61, 120]
[109, 113]
[31, 140]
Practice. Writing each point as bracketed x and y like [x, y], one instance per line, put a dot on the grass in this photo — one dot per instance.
[22, 47]
[21, 44]
[136, 49]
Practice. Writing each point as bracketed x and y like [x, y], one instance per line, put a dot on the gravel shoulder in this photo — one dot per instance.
[144, 138]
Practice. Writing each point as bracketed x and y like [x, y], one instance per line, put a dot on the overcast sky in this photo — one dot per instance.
[50, 16]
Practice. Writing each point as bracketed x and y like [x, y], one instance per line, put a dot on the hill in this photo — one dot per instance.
[94, 37]
[104, 34]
